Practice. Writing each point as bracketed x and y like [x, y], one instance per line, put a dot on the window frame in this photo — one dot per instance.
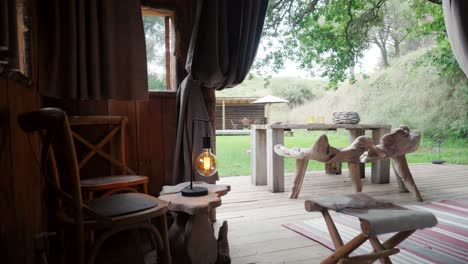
[168, 15]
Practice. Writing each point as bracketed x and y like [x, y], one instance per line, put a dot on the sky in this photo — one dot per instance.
[368, 64]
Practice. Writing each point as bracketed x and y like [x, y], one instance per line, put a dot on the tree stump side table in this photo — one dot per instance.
[192, 235]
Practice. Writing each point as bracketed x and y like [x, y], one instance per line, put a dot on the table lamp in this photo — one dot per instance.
[205, 163]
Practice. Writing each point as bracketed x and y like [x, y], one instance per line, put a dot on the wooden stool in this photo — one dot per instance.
[191, 235]
[394, 146]
[377, 217]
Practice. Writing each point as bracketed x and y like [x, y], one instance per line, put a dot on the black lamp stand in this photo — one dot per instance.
[191, 191]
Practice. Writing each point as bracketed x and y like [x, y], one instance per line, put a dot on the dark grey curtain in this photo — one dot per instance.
[224, 43]
[456, 23]
[92, 49]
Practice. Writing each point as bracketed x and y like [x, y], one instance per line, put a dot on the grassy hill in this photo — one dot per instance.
[406, 93]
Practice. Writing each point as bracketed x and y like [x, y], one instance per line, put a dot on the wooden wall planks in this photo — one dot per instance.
[21, 208]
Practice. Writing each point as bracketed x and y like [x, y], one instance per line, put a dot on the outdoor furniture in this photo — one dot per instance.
[376, 217]
[394, 145]
[191, 235]
[107, 184]
[109, 214]
[268, 168]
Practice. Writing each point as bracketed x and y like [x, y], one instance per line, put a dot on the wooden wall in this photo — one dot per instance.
[21, 209]
[236, 112]
[151, 136]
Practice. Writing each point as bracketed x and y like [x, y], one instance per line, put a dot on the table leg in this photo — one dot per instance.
[258, 163]
[192, 239]
[353, 134]
[275, 163]
[380, 168]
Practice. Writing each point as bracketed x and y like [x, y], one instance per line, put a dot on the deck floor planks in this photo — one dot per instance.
[255, 216]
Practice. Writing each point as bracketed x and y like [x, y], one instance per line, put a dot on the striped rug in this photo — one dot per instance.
[445, 243]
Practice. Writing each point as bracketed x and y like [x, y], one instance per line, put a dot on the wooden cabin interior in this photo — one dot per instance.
[150, 140]
[150, 132]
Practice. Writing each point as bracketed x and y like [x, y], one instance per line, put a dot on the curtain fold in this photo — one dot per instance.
[456, 23]
[92, 49]
[223, 46]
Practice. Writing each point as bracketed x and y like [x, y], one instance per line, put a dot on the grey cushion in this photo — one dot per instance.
[383, 217]
[122, 204]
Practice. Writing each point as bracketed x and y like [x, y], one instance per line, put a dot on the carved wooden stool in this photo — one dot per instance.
[377, 217]
[394, 146]
[191, 235]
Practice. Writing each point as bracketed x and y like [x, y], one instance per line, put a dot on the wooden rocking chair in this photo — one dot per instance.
[109, 214]
[128, 181]
[376, 217]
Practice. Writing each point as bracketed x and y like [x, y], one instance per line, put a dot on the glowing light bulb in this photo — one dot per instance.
[206, 163]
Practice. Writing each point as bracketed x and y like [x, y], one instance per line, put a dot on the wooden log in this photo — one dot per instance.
[353, 152]
[275, 163]
[335, 236]
[258, 161]
[399, 180]
[401, 166]
[301, 168]
[353, 134]
[223, 245]
[378, 247]
[346, 249]
[355, 175]
[371, 257]
[320, 151]
[333, 168]
[397, 143]
[380, 170]
[397, 239]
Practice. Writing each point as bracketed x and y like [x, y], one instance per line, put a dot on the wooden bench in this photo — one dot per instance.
[394, 146]
[377, 217]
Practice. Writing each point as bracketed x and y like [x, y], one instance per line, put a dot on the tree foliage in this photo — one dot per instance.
[155, 51]
[335, 33]
[296, 93]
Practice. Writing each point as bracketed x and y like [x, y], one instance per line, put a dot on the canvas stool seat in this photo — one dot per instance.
[377, 217]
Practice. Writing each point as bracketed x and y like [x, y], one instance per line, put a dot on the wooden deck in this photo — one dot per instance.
[255, 215]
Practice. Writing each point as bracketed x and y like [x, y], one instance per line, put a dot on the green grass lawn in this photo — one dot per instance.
[234, 160]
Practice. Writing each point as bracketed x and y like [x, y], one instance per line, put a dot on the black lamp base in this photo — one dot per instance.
[194, 192]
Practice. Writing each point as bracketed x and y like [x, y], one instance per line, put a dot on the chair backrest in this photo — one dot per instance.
[57, 138]
[118, 124]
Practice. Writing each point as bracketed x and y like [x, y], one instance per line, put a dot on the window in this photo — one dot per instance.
[159, 36]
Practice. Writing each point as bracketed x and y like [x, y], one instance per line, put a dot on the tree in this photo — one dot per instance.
[155, 33]
[379, 36]
[331, 33]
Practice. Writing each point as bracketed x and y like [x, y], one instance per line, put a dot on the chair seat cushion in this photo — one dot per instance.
[111, 181]
[122, 204]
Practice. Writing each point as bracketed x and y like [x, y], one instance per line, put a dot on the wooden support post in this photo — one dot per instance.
[258, 163]
[224, 115]
[333, 168]
[355, 175]
[346, 249]
[380, 172]
[353, 134]
[397, 239]
[275, 163]
[335, 236]
[402, 170]
[301, 168]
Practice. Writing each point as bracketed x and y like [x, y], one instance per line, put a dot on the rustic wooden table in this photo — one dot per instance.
[191, 235]
[267, 168]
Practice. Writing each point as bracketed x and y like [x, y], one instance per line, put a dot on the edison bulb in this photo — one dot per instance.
[206, 163]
